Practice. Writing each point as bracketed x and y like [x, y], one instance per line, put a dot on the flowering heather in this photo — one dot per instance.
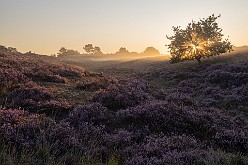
[197, 116]
[42, 68]
[69, 71]
[62, 137]
[161, 150]
[205, 124]
[21, 127]
[94, 84]
[126, 93]
[92, 112]
[46, 76]
[10, 78]
[221, 85]
[27, 96]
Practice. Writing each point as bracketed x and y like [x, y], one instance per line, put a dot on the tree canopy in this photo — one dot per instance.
[90, 49]
[151, 51]
[199, 40]
[4, 49]
[122, 50]
[67, 52]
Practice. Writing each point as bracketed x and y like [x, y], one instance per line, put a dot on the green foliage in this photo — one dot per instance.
[220, 157]
[10, 154]
[199, 40]
[113, 160]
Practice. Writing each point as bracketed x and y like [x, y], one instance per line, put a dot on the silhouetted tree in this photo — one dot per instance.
[62, 50]
[67, 52]
[4, 49]
[122, 50]
[90, 49]
[30, 53]
[12, 50]
[97, 50]
[151, 51]
[199, 40]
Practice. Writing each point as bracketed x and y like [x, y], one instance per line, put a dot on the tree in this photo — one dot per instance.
[62, 51]
[67, 52]
[12, 50]
[151, 51]
[4, 49]
[199, 40]
[122, 50]
[90, 49]
[97, 50]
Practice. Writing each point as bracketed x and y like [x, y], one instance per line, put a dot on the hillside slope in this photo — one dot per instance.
[42, 84]
[221, 82]
[55, 113]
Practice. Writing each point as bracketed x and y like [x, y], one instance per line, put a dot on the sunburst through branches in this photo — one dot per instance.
[198, 40]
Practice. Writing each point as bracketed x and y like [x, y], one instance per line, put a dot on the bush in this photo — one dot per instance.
[46, 76]
[209, 125]
[126, 93]
[28, 96]
[68, 71]
[209, 85]
[159, 150]
[22, 128]
[93, 113]
[9, 80]
[56, 108]
[62, 137]
[93, 84]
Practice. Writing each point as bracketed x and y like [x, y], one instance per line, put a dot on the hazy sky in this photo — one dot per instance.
[44, 26]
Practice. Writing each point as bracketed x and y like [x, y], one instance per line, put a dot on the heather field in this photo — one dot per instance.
[54, 111]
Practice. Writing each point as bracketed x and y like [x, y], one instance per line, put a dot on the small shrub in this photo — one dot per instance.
[92, 112]
[93, 84]
[123, 94]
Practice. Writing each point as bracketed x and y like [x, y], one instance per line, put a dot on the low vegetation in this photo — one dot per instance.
[180, 114]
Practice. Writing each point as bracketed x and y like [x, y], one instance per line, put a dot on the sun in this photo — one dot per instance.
[196, 45]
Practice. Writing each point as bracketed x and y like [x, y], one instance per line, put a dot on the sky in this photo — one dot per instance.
[44, 26]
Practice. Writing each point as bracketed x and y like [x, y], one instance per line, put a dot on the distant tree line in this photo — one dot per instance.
[67, 52]
[95, 50]
[4, 49]
[89, 49]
